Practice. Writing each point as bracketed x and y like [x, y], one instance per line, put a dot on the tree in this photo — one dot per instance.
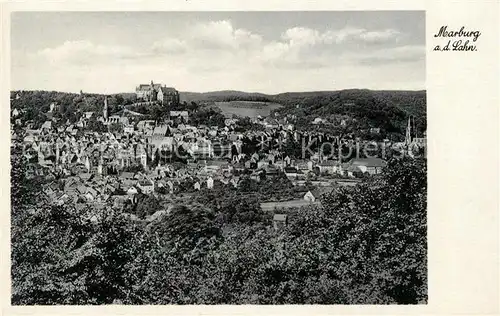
[209, 117]
[232, 206]
[147, 205]
[60, 257]
[192, 107]
[380, 228]
[119, 99]
[363, 245]
[116, 128]
[24, 192]
[170, 268]
[293, 149]
[96, 126]
[134, 168]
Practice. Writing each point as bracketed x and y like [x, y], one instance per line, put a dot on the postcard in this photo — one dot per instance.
[265, 157]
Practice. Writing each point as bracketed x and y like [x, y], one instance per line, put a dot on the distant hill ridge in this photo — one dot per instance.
[201, 96]
[411, 102]
[213, 95]
[386, 109]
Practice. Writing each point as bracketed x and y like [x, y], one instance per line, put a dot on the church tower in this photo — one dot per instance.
[141, 153]
[41, 156]
[105, 110]
[57, 153]
[152, 91]
[99, 167]
[408, 133]
[87, 163]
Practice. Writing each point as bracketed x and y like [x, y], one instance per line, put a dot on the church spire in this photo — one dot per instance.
[408, 132]
[105, 110]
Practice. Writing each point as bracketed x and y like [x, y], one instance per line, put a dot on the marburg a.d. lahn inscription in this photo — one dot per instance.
[465, 39]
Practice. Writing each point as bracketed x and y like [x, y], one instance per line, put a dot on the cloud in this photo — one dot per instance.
[217, 41]
[343, 35]
[169, 46]
[380, 36]
[400, 54]
[305, 47]
[307, 36]
[217, 55]
[221, 35]
[85, 52]
[302, 36]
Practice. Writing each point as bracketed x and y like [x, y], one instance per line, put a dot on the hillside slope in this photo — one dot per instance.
[388, 110]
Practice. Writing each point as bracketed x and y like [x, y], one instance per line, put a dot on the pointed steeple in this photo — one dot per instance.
[99, 166]
[105, 110]
[408, 132]
[57, 153]
[152, 92]
[87, 163]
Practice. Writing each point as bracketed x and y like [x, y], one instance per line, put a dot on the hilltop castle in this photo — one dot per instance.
[155, 92]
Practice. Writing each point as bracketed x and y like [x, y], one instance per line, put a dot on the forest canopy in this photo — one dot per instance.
[364, 245]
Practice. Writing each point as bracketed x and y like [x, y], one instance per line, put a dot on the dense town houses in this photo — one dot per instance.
[154, 157]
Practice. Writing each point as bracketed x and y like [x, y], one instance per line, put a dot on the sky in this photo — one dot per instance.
[268, 52]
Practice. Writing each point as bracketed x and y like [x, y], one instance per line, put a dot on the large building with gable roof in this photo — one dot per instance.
[155, 92]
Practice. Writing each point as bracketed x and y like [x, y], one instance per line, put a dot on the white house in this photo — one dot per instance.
[280, 221]
[318, 120]
[90, 195]
[170, 187]
[197, 186]
[291, 173]
[370, 165]
[329, 166]
[314, 195]
[234, 181]
[304, 165]
[262, 163]
[210, 183]
[309, 196]
[131, 191]
[146, 186]
[47, 125]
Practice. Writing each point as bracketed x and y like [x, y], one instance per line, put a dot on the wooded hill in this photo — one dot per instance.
[387, 110]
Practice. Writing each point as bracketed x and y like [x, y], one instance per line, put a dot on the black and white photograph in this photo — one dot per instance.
[218, 158]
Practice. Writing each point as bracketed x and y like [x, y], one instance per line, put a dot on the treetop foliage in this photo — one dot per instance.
[361, 246]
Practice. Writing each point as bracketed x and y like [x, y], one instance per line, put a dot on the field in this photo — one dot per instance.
[270, 206]
[251, 109]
